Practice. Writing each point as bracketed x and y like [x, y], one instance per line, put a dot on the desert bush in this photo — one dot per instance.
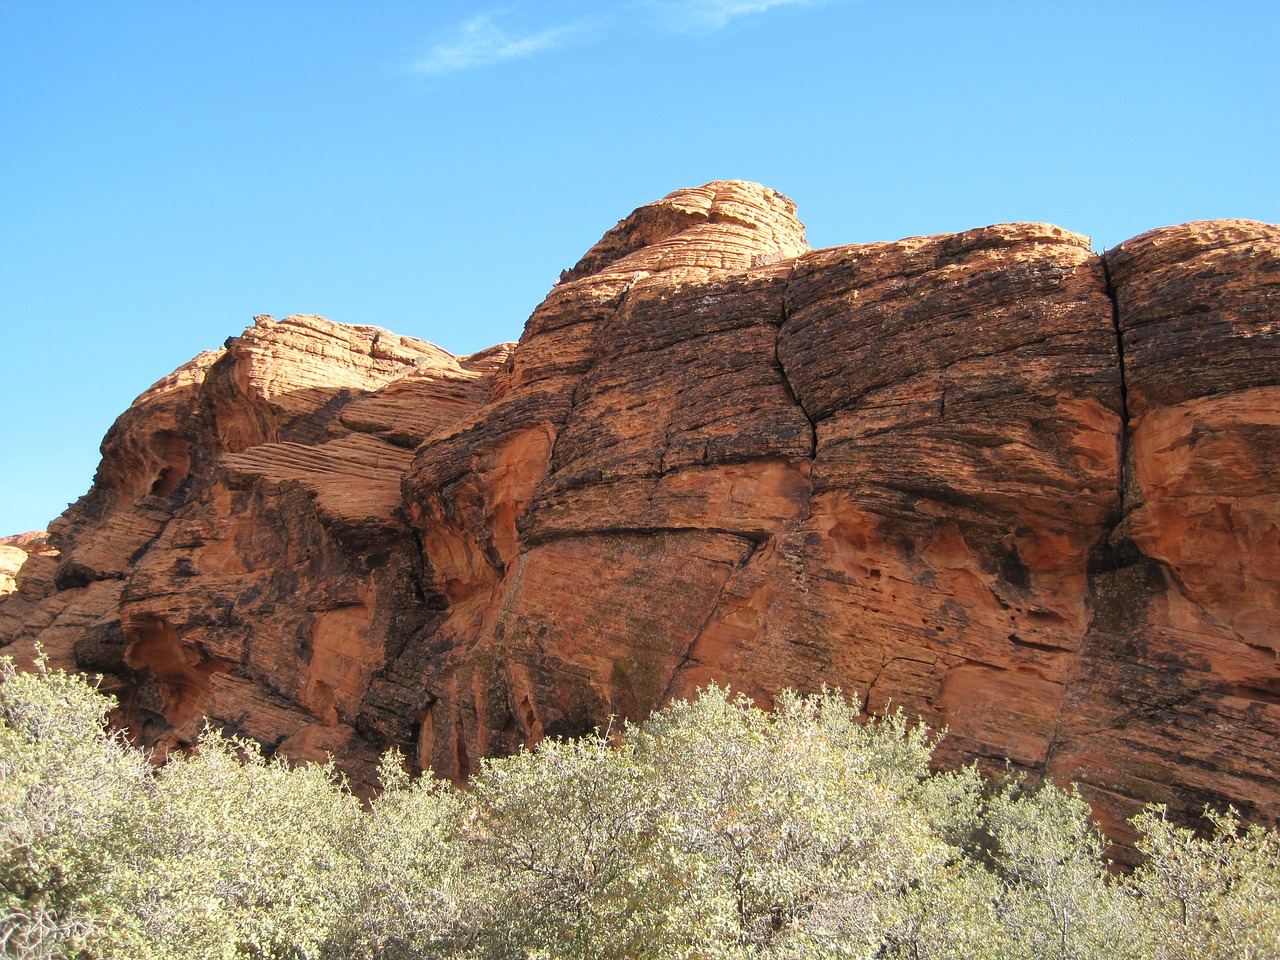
[1207, 897]
[236, 856]
[714, 829]
[571, 854]
[803, 824]
[406, 898]
[1056, 898]
[70, 792]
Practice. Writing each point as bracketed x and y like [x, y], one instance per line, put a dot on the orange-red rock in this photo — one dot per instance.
[1024, 491]
[15, 551]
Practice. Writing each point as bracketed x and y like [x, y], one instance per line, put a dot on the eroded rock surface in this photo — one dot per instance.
[1024, 491]
[15, 551]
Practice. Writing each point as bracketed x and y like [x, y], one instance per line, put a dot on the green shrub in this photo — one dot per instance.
[236, 856]
[714, 829]
[70, 796]
[1208, 897]
[410, 876]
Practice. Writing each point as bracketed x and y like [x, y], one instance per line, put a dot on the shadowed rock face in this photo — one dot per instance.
[1029, 493]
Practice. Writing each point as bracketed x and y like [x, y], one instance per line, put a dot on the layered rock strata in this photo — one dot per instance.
[1026, 492]
[15, 551]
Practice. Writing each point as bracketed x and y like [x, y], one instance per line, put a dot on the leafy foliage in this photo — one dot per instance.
[715, 829]
[69, 792]
[234, 856]
[1215, 896]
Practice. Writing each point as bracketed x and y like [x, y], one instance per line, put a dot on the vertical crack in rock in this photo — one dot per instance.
[1123, 452]
[786, 380]
[753, 547]
[136, 557]
[1118, 574]
[1073, 678]
[597, 348]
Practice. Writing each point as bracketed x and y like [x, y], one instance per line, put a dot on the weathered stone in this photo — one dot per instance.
[1023, 491]
[1177, 694]
[243, 543]
[15, 551]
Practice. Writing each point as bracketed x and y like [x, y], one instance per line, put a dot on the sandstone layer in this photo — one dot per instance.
[1026, 492]
[15, 551]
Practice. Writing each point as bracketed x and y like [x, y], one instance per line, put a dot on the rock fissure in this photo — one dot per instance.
[892, 660]
[632, 501]
[753, 548]
[664, 451]
[1123, 440]
[786, 380]
[1073, 678]
[1021, 641]
[597, 332]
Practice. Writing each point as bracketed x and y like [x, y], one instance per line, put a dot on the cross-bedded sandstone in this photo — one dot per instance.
[1024, 491]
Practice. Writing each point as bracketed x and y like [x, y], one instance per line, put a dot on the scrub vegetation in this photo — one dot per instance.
[715, 829]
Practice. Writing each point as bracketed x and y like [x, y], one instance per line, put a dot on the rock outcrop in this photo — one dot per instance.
[1027, 492]
[15, 551]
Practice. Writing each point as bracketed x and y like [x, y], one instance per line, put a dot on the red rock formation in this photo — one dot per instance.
[15, 551]
[1177, 694]
[242, 555]
[31, 558]
[1024, 491]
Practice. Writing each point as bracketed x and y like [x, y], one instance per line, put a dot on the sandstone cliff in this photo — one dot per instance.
[15, 551]
[1029, 493]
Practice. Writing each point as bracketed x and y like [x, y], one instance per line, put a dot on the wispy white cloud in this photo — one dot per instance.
[711, 15]
[480, 42]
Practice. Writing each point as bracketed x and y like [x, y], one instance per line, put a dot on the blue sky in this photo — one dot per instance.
[171, 169]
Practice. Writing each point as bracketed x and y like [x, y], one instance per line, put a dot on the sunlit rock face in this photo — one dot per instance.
[1026, 492]
[16, 550]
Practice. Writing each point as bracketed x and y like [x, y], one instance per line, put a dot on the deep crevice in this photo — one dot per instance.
[1123, 449]
[1019, 641]
[136, 557]
[786, 381]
